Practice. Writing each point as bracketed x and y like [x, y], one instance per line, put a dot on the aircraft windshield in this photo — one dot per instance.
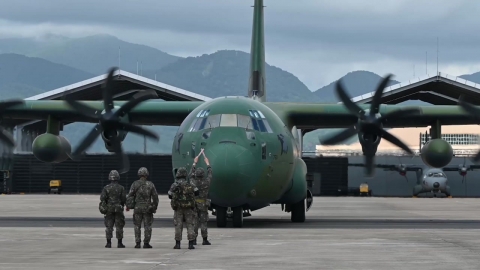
[436, 174]
[256, 121]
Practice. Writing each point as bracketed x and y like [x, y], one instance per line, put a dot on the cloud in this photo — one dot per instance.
[318, 41]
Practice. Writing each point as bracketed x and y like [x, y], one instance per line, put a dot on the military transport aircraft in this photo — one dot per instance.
[429, 179]
[254, 146]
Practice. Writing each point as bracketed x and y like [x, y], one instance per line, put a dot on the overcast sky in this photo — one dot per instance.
[317, 40]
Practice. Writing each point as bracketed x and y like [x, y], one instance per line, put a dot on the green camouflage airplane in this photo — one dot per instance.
[254, 146]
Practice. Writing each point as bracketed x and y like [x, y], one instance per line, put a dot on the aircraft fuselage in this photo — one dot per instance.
[432, 180]
[252, 153]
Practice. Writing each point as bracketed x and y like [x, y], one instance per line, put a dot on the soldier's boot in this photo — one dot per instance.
[120, 244]
[195, 242]
[205, 242]
[177, 245]
[109, 243]
[190, 244]
[146, 245]
[137, 245]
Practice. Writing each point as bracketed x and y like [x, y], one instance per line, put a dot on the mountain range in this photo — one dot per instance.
[32, 66]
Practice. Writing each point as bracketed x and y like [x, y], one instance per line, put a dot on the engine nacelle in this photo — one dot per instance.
[369, 142]
[437, 153]
[51, 148]
[108, 135]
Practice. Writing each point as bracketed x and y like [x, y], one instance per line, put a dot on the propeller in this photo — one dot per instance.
[5, 136]
[474, 112]
[109, 121]
[462, 170]
[369, 127]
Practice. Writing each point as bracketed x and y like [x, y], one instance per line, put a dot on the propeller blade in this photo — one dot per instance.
[399, 114]
[6, 137]
[375, 105]
[83, 109]
[341, 136]
[134, 129]
[369, 166]
[351, 106]
[121, 156]
[10, 103]
[108, 89]
[477, 157]
[389, 137]
[475, 112]
[87, 141]
[127, 107]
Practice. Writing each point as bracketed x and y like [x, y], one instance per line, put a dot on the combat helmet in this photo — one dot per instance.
[199, 173]
[113, 175]
[143, 172]
[181, 173]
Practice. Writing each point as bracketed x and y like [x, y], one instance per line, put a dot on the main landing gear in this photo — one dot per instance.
[298, 209]
[236, 214]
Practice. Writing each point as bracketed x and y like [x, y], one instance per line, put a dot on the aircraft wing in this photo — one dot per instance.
[152, 112]
[457, 168]
[390, 167]
[315, 116]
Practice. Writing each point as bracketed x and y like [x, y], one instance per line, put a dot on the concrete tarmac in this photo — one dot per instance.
[66, 232]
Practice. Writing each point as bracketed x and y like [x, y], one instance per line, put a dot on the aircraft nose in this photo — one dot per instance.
[436, 185]
[232, 169]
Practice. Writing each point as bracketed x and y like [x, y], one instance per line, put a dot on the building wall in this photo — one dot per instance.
[327, 175]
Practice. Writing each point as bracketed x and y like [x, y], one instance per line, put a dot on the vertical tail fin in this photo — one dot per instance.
[256, 84]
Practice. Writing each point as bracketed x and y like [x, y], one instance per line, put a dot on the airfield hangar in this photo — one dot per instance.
[328, 175]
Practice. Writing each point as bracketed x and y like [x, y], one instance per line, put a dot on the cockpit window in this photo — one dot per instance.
[213, 121]
[436, 174]
[244, 121]
[228, 120]
[256, 121]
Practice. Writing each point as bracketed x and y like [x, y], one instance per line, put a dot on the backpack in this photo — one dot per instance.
[183, 196]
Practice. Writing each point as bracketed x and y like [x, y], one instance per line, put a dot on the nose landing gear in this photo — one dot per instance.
[236, 214]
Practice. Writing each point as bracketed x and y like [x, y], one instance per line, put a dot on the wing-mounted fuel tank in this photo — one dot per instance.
[437, 153]
[298, 190]
[51, 148]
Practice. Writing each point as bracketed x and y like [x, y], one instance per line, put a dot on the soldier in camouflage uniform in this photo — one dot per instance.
[202, 202]
[111, 205]
[181, 213]
[146, 203]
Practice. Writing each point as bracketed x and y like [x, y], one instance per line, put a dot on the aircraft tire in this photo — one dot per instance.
[298, 211]
[221, 217]
[238, 217]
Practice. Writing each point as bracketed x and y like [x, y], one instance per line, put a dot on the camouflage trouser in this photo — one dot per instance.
[147, 219]
[117, 219]
[187, 215]
[201, 220]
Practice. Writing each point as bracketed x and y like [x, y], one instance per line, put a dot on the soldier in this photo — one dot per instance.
[182, 194]
[111, 205]
[202, 202]
[144, 198]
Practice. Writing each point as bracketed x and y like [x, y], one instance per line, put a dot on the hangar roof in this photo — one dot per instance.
[440, 89]
[128, 85]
